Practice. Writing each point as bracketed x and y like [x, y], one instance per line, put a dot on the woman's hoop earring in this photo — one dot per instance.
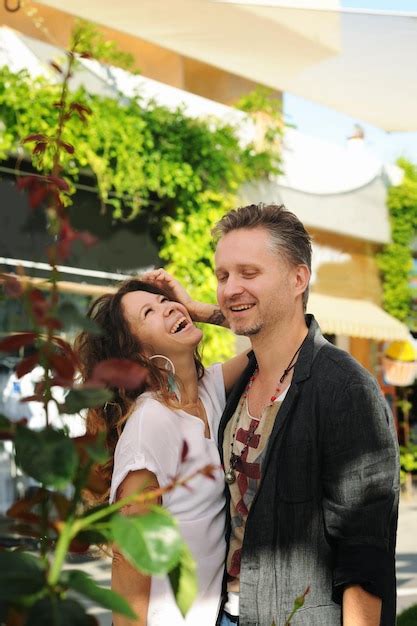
[169, 362]
[172, 387]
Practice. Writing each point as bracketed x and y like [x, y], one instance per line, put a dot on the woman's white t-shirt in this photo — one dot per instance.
[153, 439]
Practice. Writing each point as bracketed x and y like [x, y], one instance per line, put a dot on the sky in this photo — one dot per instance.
[326, 123]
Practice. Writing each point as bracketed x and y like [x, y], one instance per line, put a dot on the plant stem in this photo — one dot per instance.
[65, 536]
[139, 498]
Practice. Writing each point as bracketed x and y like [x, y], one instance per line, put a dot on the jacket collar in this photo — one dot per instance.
[313, 342]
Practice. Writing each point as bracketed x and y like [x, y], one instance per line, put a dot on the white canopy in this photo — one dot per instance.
[360, 63]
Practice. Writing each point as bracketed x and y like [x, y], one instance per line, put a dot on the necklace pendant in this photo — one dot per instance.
[230, 476]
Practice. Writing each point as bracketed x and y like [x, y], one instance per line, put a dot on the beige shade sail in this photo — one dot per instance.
[359, 63]
[355, 318]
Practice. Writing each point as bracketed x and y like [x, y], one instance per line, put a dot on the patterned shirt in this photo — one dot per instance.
[248, 473]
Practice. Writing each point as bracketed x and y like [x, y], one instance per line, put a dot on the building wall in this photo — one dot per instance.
[153, 61]
[354, 274]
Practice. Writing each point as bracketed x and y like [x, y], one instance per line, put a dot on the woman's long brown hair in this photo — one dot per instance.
[117, 341]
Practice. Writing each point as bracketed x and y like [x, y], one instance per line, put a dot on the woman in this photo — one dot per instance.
[146, 430]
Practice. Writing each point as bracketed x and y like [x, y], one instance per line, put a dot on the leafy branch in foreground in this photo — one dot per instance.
[34, 590]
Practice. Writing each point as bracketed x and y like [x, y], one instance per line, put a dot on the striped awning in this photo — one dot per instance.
[355, 318]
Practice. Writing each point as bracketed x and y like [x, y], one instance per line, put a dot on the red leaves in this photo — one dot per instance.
[36, 188]
[27, 365]
[19, 340]
[41, 142]
[81, 110]
[87, 238]
[59, 183]
[67, 350]
[12, 287]
[68, 147]
[39, 305]
[97, 482]
[67, 236]
[40, 147]
[209, 471]
[62, 366]
[35, 137]
[184, 451]
[119, 373]
[40, 187]
[56, 67]
[40, 308]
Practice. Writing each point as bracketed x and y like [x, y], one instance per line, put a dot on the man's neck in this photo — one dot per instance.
[275, 347]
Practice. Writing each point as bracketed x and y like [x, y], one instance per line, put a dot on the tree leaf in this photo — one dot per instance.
[151, 542]
[14, 342]
[85, 538]
[7, 428]
[81, 582]
[183, 579]
[27, 365]
[55, 611]
[85, 398]
[62, 365]
[120, 373]
[21, 575]
[12, 287]
[48, 455]
[35, 137]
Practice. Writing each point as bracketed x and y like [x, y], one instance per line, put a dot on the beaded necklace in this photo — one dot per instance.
[235, 459]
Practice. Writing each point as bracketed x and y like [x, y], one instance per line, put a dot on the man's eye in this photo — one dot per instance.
[249, 275]
[221, 278]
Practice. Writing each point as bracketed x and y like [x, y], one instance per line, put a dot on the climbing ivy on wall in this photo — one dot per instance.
[178, 173]
[395, 261]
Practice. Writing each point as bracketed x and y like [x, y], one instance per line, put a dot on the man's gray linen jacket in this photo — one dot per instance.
[325, 514]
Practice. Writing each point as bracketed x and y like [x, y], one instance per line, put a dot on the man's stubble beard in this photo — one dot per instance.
[249, 332]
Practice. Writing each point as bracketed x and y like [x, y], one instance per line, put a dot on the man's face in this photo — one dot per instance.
[257, 286]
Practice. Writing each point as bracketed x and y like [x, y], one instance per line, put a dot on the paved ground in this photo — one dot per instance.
[407, 555]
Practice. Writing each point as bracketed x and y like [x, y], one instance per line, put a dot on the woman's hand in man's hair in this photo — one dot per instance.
[171, 286]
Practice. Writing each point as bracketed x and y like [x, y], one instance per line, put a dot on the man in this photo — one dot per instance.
[308, 444]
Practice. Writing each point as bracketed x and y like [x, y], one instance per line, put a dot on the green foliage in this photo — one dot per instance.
[89, 41]
[57, 611]
[183, 580]
[408, 617]
[151, 541]
[81, 582]
[148, 551]
[266, 108]
[83, 398]
[48, 456]
[20, 573]
[408, 460]
[298, 604]
[178, 175]
[395, 261]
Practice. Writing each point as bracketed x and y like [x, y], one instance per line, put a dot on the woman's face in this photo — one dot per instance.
[160, 324]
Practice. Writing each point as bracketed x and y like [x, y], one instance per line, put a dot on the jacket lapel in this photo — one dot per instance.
[313, 344]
